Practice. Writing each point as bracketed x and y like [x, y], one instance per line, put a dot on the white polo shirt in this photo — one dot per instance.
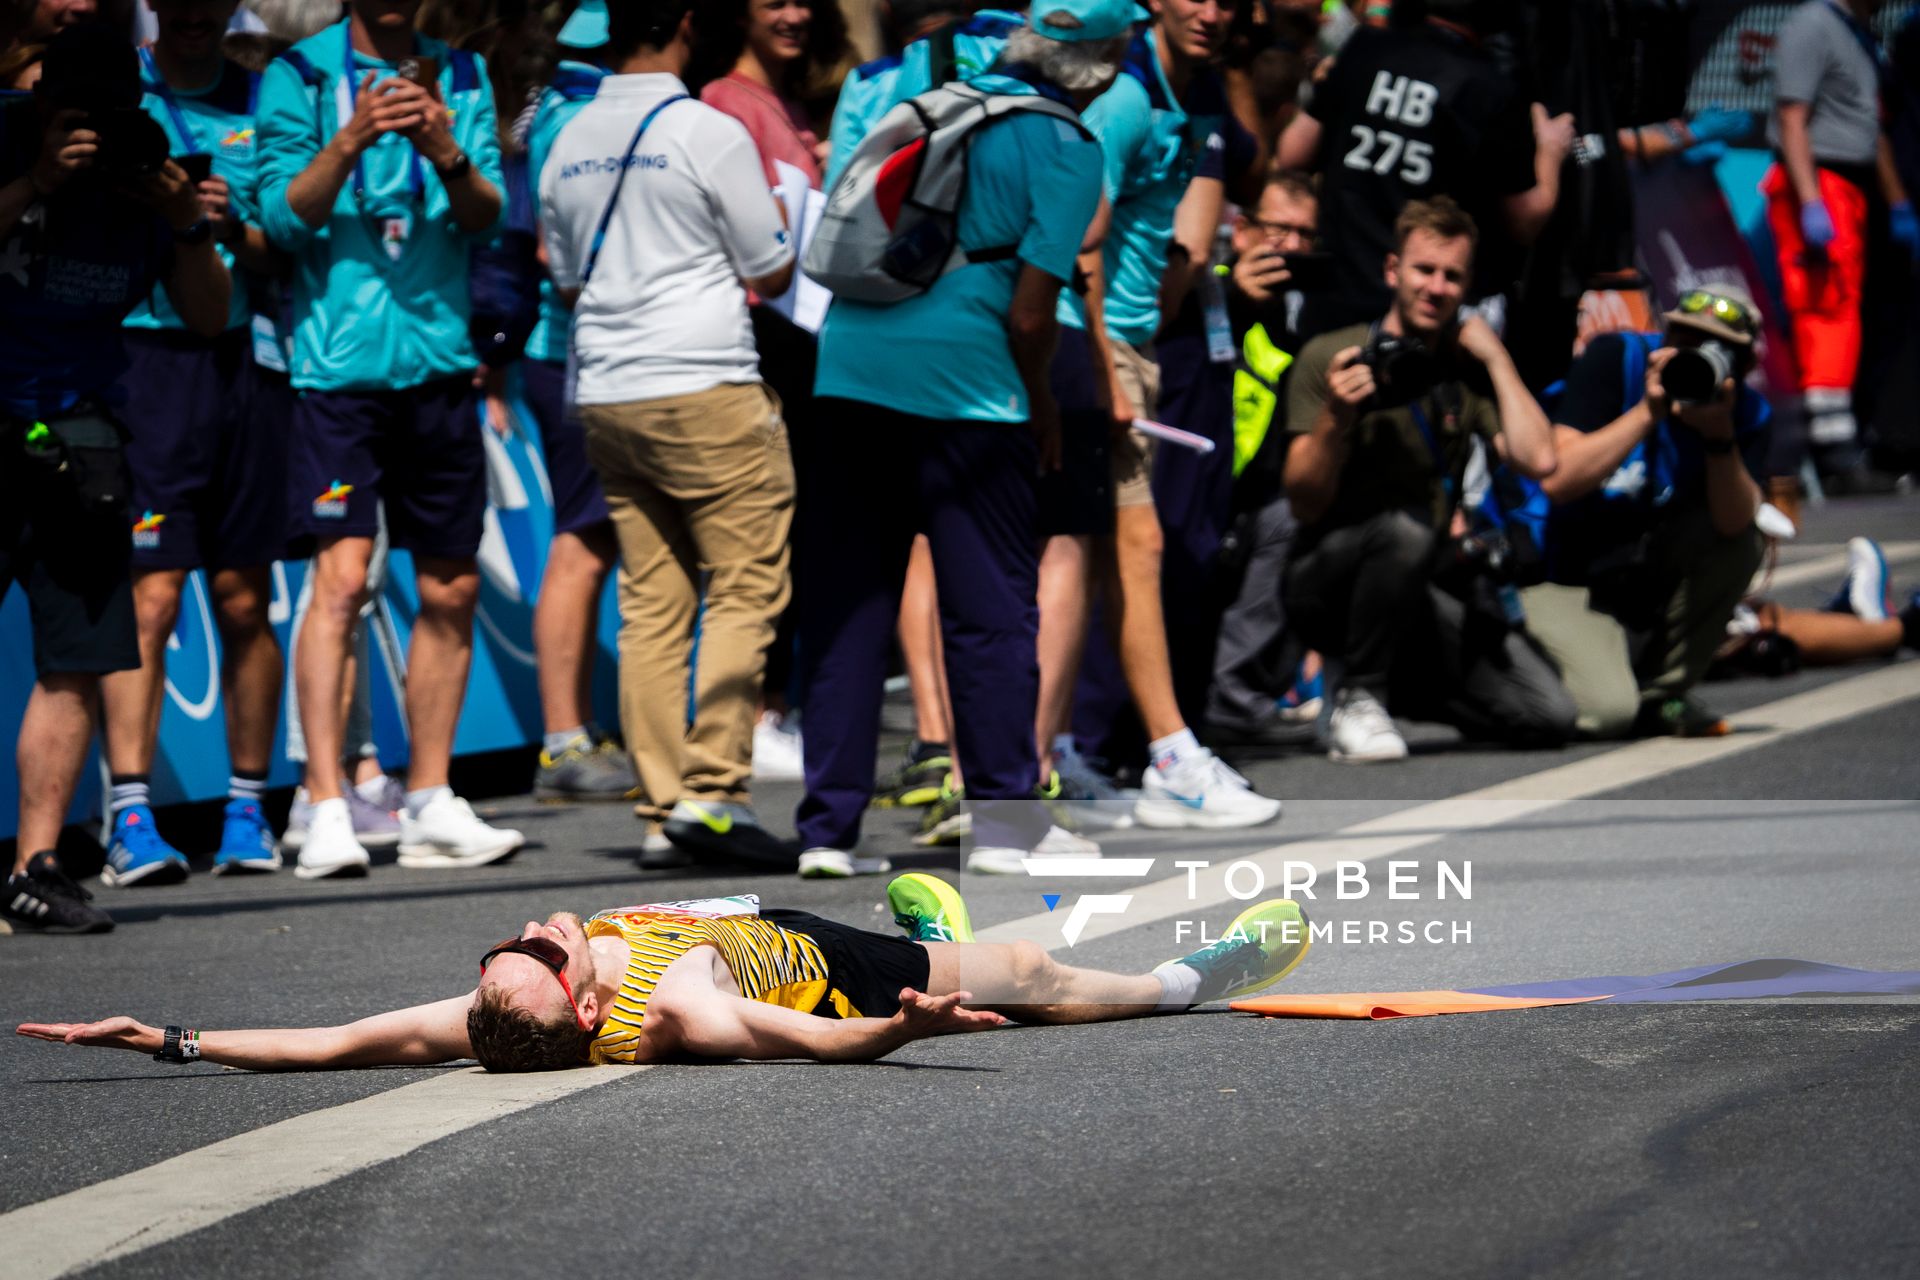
[664, 313]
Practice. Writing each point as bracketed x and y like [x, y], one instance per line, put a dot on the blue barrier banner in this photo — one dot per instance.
[502, 707]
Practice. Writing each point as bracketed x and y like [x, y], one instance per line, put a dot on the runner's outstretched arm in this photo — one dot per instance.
[426, 1033]
[698, 1018]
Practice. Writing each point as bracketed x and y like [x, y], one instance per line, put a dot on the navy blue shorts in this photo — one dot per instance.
[417, 451]
[578, 502]
[208, 454]
[1078, 498]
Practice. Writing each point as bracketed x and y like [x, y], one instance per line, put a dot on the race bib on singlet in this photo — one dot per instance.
[739, 904]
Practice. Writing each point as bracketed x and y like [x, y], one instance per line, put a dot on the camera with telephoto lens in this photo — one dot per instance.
[1403, 368]
[132, 144]
[90, 68]
[1693, 374]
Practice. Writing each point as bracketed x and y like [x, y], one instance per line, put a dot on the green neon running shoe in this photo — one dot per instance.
[1262, 945]
[917, 782]
[928, 909]
[947, 820]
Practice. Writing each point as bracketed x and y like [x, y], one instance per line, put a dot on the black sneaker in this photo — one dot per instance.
[47, 899]
[718, 832]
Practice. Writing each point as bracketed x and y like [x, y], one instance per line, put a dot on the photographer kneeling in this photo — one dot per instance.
[92, 215]
[1651, 540]
[1388, 417]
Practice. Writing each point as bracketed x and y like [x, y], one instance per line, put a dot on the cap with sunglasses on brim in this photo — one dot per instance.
[1092, 19]
[586, 26]
[1724, 312]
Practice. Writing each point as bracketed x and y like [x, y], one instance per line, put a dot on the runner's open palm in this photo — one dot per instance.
[113, 1033]
[922, 1015]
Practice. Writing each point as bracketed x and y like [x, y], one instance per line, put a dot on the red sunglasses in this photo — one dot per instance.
[547, 952]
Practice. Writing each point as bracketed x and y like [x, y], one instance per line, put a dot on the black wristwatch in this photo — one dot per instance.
[1719, 447]
[458, 169]
[199, 232]
[170, 1047]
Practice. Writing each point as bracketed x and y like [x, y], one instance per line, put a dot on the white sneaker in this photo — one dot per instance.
[329, 848]
[1200, 791]
[1866, 589]
[776, 748]
[449, 834]
[1362, 731]
[838, 864]
[1057, 843]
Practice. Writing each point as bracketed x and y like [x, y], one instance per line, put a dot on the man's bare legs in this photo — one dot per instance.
[250, 668]
[1020, 980]
[1138, 546]
[1833, 639]
[1066, 580]
[130, 700]
[55, 733]
[438, 658]
[565, 618]
[320, 657]
[920, 646]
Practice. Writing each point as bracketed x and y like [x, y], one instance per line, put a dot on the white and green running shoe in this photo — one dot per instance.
[928, 909]
[1263, 945]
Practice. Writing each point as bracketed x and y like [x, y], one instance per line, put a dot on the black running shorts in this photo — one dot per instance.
[867, 968]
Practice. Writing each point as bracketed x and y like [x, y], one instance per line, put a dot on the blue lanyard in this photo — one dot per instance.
[1433, 446]
[606, 215]
[157, 83]
[416, 172]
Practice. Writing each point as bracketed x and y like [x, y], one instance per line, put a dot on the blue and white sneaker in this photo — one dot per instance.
[1864, 593]
[1200, 791]
[137, 854]
[246, 841]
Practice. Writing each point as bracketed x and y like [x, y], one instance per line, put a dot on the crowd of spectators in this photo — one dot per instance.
[1234, 399]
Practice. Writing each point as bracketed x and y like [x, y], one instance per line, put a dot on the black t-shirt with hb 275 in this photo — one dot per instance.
[1405, 114]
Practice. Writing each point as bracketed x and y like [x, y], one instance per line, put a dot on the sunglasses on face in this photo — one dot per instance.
[1725, 310]
[547, 952]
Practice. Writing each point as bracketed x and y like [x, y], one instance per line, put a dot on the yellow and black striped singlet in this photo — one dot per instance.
[770, 964]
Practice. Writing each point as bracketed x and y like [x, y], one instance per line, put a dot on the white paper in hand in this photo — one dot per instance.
[804, 302]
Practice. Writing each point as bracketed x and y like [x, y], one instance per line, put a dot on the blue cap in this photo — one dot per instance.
[1099, 19]
[587, 27]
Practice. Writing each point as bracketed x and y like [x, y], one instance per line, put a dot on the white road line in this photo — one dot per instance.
[1829, 568]
[1426, 824]
[162, 1202]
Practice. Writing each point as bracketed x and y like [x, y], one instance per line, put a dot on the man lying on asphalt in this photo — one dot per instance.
[713, 979]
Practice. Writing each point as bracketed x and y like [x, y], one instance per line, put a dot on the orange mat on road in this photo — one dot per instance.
[1377, 1005]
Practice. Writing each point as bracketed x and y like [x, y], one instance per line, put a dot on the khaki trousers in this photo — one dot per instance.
[1693, 585]
[698, 485]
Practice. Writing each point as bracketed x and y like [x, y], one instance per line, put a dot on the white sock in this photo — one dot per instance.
[1174, 748]
[373, 790]
[1063, 744]
[419, 800]
[125, 795]
[558, 742]
[1179, 987]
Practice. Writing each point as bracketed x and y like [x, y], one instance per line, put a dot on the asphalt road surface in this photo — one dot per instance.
[1716, 1139]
